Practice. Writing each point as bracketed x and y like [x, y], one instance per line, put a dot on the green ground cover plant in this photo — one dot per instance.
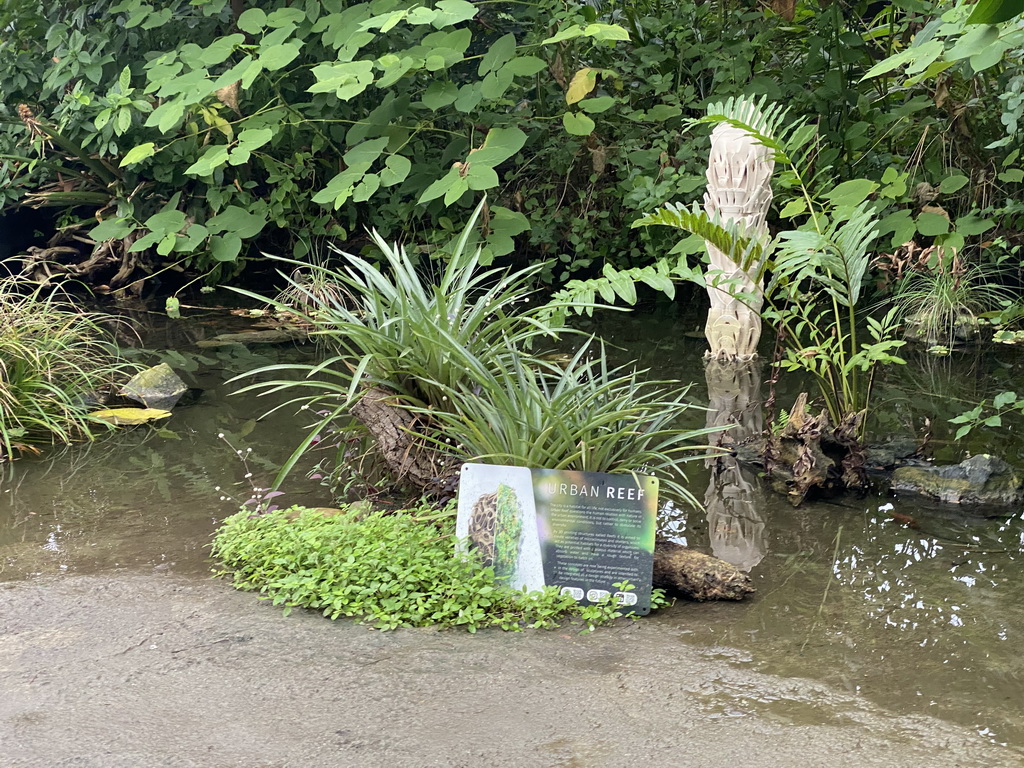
[55, 362]
[388, 569]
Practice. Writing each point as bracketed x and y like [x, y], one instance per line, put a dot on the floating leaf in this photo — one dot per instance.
[124, 417]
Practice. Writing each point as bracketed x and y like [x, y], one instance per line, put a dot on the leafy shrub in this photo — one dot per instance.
[54, 360]
[389, 569]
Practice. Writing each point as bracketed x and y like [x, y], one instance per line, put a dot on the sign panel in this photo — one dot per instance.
[581, 531]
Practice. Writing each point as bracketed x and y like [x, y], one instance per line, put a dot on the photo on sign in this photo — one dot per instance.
[497, 520]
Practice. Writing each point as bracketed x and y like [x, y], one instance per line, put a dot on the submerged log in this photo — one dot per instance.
[696, 575]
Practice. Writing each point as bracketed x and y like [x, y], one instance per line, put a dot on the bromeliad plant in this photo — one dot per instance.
[449, 367]
[54, 360]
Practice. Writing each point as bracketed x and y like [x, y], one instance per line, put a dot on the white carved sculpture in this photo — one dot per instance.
[739, 190]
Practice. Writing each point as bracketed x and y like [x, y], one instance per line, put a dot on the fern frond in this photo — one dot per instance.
[748, 252]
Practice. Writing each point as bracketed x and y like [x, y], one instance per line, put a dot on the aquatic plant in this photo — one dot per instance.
[388, 569]
[442, 368]
[941, 303]
[55, 360]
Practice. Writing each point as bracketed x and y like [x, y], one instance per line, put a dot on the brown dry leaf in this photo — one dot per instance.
[941, 91]
[785, 8]
[938, 210]
[228, 96]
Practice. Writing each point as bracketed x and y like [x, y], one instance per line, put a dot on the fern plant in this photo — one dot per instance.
[817, 269]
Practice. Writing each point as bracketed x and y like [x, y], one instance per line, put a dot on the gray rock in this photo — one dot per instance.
[981, 479]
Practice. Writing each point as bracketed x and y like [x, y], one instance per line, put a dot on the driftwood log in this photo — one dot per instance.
[696, 575]
[394, 431]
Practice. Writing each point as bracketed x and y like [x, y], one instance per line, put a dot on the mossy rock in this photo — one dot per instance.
[981, 479]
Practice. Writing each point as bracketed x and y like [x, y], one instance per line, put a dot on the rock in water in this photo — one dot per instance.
[981, 479]
[696, 575]
[157, 387]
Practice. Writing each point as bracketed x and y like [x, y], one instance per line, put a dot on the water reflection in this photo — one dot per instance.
[736, 528]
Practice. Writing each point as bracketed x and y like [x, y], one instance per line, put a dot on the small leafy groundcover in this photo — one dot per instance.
[392, 569]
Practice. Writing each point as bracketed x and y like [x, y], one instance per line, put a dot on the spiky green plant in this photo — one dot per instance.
[941, 305]
[585, 415]
[458, 348]
[53, 360]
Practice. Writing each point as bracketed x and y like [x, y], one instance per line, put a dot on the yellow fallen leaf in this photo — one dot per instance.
[129, 416]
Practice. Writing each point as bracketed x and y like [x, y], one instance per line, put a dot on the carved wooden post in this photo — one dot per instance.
[739, 190]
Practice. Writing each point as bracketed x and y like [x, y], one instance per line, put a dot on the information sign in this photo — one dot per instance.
[584, 532]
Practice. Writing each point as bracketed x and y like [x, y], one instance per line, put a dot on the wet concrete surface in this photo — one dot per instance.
[127, 670]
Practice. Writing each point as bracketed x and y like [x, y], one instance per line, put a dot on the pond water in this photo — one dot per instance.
[917, 607]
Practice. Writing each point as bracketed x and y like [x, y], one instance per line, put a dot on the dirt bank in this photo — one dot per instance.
[158, 670]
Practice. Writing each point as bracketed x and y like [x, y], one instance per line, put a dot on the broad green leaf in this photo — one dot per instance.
[252, 20]
[499, 146]
[237, 221]
[458, 188]
[481, 176]
[578, 124]
[526, 66]
[345, 80]
[794, 207]
[931, 224]
[890, 63]
[972, 224]
[396, 169]
[225, 248]
[441, 186]
[254, 138]
[440, 94]
[469, 97]
[995, 11]
[114, 228]
[500, 52]
[283, 17]
[220, 49]
[1012, 176]
[280, 56]
[366, 188]
[989, 57]
[168, 221]
[138, 154]
[565, 33]
[449, 12]
[606, 32]
[1003, 399]
[901, 224]
[951, 184]
[597, 104]
[211, 159]
[661, 112]
[366, 152]
[853, 192]
[495, 84]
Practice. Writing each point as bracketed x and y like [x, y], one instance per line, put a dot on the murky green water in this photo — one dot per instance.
[917, 607]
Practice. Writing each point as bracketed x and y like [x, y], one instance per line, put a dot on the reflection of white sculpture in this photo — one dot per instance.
[733, 499]
[739, 190]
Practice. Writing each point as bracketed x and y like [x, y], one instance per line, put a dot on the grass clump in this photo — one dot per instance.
[54, 361]
[388, 569]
